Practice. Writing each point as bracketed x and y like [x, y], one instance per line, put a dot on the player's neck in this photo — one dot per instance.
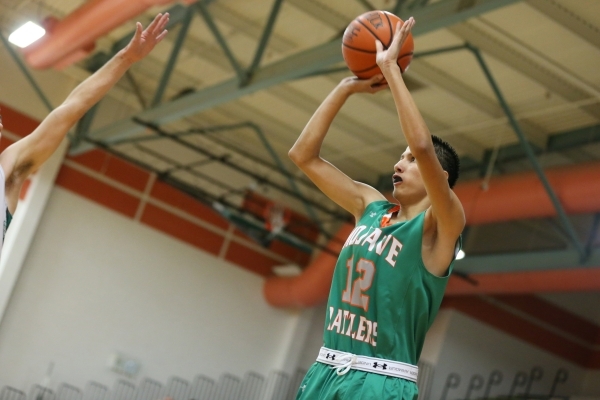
[410, 209]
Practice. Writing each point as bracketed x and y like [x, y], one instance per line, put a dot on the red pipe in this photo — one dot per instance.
[80, 29]
[507, 198]
[312, 286]
[521, 196]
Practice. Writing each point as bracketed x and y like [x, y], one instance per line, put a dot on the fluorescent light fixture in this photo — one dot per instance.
[26, 34]
[461, 254]
[288, 270]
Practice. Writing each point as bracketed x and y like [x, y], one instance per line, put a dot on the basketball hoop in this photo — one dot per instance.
[276, 218]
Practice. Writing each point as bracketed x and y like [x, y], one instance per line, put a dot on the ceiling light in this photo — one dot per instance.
[26, 34]
[288, 270]
[460, 255]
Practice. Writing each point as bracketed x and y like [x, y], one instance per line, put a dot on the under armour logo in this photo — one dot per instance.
[330, 355]
[377, 365]
[372, 214]
[303, 387]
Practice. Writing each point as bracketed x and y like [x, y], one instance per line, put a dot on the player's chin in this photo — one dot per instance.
[402, 191]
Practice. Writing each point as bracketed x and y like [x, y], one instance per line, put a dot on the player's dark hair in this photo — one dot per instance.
[448, 157]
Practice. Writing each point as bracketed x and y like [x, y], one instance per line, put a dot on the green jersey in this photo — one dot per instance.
[382, 299]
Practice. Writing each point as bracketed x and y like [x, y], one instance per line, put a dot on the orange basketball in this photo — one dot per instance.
[358, 44]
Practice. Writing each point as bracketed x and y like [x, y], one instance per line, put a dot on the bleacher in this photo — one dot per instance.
[253, 386]
[281, 386]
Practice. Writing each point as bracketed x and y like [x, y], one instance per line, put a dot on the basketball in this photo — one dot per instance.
[358, 44]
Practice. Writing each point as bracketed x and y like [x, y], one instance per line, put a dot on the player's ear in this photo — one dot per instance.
[446, 174]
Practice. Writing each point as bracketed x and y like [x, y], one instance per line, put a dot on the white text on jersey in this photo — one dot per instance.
[345, 323]
[375, 242]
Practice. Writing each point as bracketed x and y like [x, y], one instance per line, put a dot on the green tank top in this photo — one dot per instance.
[382, 299]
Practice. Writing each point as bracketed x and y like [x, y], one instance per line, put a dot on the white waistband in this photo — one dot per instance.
[343, 362]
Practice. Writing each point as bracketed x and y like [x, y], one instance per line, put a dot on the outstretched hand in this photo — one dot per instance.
[389, 57]
[371, 85]
[144, 40]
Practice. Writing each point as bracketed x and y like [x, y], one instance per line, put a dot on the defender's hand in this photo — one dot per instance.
[144, 41]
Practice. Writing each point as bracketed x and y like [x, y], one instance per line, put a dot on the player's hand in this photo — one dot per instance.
[356, 85]
[387, 58]
[143, 41]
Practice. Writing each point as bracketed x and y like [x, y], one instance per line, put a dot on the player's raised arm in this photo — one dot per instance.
[445, 206]
[28, 154]
[351, 195]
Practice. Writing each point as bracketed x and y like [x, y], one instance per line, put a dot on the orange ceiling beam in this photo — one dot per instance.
[72, 38]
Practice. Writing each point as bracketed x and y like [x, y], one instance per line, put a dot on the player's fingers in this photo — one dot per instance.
[408, 25]
[375, 79]
[161, 36]
[138, 31]
[163, 22]
[379, 87]
[154, 23]
[397, 39]
[399, 30]
[403, 32]
[378, 46]
[160, 25]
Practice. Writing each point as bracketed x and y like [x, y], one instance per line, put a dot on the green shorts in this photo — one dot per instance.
[323, 383]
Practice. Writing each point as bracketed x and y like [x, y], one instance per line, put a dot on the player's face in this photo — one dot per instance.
[407, 177]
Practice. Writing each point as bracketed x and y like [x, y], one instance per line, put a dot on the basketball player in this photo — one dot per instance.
[27, 155]
[393, 269]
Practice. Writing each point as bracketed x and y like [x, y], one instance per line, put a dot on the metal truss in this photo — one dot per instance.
[311, 62]
[306, 63]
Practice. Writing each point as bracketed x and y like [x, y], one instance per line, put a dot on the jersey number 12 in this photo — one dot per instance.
[354, 292]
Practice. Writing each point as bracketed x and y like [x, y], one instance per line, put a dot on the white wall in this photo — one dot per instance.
[471, 347]
[591, 384]
[95, 283]
[314, 338]
[436, 335]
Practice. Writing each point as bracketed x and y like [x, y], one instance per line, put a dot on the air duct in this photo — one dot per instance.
[509, 197]
[312, 286]
[73, 37]
[522, 196]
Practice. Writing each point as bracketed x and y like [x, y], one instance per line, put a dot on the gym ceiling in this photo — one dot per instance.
[216, 107]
